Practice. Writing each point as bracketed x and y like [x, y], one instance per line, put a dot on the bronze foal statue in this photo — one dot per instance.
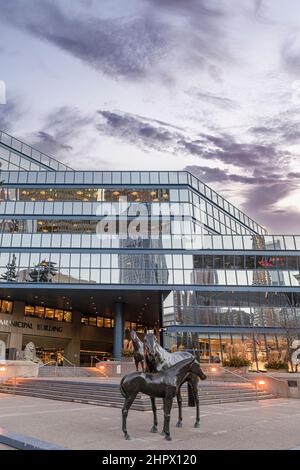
[158, 359]
[164, 384]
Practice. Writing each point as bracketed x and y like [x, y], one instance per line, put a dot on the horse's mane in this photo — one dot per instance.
[188, 360]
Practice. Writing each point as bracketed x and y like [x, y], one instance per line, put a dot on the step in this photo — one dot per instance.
[118, 396]
[112, 384]
[108, 394]
[113, 388]
[116, 392]
[138, 404]
[109, 387]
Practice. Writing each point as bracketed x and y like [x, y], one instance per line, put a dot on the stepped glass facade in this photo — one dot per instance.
[87, 255]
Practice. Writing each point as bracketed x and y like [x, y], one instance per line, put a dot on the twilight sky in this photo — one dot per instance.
[208, 85]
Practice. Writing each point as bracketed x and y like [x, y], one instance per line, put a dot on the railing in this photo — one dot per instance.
[55, 364]
[166, 241]
[47, 363]
[68, 362]
[95, 358]
[245, 379]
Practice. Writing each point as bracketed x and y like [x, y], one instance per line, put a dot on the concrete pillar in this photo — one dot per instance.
[119, 329]
[16, 337]
[72, 350]
[161, 320]
[15, 341]
[18, 311]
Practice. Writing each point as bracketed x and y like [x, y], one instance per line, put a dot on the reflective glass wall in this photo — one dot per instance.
[260, 350]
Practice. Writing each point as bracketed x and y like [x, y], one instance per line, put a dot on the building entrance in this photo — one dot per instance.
[90, 358]
[50, 355]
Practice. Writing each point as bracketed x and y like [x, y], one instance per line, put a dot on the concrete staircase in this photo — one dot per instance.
[66, 371]
[108, 394]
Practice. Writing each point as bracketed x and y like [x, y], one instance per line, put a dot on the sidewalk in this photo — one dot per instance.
[270, 424]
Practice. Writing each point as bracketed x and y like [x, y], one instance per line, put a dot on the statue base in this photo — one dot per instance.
[15, 369]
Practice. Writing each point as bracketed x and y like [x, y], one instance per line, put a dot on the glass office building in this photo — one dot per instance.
[87, 255]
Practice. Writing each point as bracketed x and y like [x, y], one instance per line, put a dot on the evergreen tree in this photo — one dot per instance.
[11, 270]
[43, 272]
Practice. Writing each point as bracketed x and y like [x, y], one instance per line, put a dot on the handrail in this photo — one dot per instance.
[246, 379]
[67, 360]
[96, 359]
[272, 377]
[45, 364]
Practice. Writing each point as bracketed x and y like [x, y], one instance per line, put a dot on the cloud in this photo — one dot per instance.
[225, 148]
[62, 127]
[140, 131]
[10, 113]
[261, 204]
[261, 195]
[192, 9]
[131, 47]
[121, 47]
[220, 147]
[290, 54]
[262, 170]
[215, 100]
[284, 128]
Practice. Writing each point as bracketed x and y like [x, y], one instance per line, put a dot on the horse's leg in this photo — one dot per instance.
[163, 433]
[154, 427]
[194, 384]
[128, 402]
[179, 402]
[167, 415]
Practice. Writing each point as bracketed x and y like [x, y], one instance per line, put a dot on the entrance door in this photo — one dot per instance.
[50, 355]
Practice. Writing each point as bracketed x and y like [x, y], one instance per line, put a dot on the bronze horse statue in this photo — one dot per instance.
[164, 384]
[138, 347]
[158, 359]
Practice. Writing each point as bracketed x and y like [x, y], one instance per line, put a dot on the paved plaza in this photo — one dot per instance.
[269, 424]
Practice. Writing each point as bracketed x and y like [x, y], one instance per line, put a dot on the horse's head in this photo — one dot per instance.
[133, 335]
[181, 370]
[150, 348]
[196, 370]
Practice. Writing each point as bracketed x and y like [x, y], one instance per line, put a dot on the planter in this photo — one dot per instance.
[127, 359]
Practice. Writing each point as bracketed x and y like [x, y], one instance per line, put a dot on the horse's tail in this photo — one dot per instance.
[122, 388]
[191, 396]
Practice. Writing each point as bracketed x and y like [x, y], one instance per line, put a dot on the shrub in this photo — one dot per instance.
[236, 361]
[127, 353]
[276, 365]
